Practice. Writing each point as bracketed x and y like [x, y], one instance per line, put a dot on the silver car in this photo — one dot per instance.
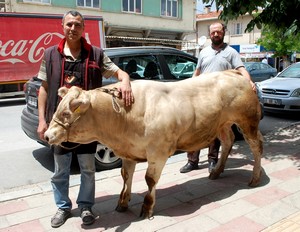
[282, 93]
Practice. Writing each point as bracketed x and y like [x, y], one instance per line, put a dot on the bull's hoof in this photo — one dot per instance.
[121, 209]
[146, 214]
[214, 175]
[255, 180]
[253, 183]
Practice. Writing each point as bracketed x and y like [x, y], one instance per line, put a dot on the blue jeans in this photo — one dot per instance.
[61, 177]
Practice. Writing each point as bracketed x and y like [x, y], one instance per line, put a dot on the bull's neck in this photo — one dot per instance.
[104, 114]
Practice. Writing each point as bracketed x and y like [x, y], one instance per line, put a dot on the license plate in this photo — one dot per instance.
[272, 101]
[32, 101]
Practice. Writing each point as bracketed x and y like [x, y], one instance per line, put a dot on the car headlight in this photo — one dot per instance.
[258, 86]
[296, 93]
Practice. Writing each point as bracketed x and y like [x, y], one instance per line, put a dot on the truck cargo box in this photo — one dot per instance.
[23, 39]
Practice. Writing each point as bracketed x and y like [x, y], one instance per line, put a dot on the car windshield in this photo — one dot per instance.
[292, 71]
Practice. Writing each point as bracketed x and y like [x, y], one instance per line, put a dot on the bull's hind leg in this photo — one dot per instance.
[128, 167]
[255, 140]
[153, 174]
[226, 137]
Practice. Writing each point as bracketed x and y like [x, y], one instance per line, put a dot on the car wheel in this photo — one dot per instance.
[105, 159]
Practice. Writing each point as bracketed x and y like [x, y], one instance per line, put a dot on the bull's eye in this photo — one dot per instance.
[66, 115]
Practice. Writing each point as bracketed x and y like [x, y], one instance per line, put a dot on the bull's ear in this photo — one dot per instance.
[62, 91]
[80, 105]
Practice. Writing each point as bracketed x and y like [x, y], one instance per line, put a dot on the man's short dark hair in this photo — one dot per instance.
[73, 13]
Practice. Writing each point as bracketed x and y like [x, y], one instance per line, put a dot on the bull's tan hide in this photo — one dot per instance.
[165, 117]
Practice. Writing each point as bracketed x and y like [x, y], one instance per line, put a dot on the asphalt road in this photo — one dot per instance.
[24, 161]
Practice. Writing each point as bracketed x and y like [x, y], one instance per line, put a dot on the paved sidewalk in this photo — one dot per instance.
[185, 202]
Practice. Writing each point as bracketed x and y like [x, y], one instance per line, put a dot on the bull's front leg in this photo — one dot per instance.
[152, 176]
[128, 167]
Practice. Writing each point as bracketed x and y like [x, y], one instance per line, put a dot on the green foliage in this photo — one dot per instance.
[283, 14]
[279, 41]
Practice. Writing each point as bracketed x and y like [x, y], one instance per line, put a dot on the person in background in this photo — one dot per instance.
[217, 57]
[74, 62]
[265, 60]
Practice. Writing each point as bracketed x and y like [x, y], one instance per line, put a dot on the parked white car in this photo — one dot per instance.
[282, 93]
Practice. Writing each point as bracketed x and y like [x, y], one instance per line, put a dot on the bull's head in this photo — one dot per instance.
[74, 103]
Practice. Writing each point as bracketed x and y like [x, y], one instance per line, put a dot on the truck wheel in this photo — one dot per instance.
[105, 159]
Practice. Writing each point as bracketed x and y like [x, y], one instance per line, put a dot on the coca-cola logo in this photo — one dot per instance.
[14, 51]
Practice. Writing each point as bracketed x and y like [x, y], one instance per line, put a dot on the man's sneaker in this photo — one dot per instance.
[87, 216]
[60, 217]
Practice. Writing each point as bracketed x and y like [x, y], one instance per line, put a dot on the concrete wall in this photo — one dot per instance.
[149, 18]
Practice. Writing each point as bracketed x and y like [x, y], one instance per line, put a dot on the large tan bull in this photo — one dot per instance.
[165, 117]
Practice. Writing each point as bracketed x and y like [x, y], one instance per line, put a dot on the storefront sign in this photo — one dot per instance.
[249, 48]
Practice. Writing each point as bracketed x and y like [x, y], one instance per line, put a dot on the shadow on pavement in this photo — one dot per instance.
[44, 156]
[284, 143]
[281, 144]
[179, 200]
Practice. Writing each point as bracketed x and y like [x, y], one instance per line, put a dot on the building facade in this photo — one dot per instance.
[243, 42]
[127, 22]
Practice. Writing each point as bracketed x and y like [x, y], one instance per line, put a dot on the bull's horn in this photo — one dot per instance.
[62, 91]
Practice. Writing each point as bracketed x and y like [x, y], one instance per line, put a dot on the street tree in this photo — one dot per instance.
[275, 13]
[279, 41]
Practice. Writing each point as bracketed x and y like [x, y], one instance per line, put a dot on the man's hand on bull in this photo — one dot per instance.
[127, 94]
[125, 87]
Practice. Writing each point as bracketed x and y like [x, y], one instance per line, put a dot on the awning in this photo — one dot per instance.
[150, 40]
[256, 55]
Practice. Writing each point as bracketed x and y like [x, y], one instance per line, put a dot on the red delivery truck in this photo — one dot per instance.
[23, 40]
